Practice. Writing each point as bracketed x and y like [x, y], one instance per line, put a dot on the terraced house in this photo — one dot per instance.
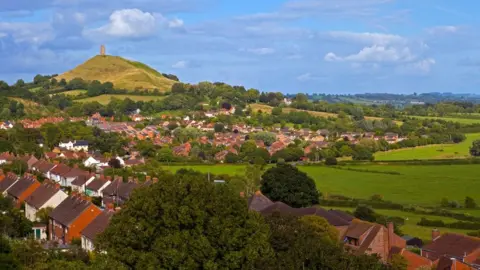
[22, 189]
[46, 195]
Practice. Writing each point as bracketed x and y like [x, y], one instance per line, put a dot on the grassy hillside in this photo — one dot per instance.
[105, 99]
[123, 73]
[442, 151]
[73, 93]
[268, 109]
[33, 108]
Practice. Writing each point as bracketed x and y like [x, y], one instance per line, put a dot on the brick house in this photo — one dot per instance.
[46, 195]
[453, 246]
[22, 189]
[97, 226]
[70, 217]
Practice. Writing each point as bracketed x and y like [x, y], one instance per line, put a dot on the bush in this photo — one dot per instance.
[470, 203]
[331, 161]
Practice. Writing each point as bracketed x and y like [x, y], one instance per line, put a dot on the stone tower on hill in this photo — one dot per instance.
[102, 50]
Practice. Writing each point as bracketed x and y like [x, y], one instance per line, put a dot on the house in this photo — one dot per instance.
[6, 125]
[70, 217]
[43, 167]
[134, 162]
[75, 145]
[276, 146]
[95, 188]
[96, 161]
[39, 231]
[6, 158]
[453, 246]
[59, 173]
[46, 195]
[391, 137]
[363, 237]
[7, 181]
[73, 174]
[97, 226]
[220, 156]
[414, 260]
[182, 150]
[30, 160]
[22, 189]
[117, 192]
[446, 263]
[80, 183]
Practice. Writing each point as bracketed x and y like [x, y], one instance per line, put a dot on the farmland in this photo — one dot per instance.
[444, 151]
[268, 109]
[458, 119]
[105, 99]
[416, 184]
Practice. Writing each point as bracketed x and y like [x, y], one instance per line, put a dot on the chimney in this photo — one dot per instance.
[109, 178]
[74, 193]
[75, 166]
[242, 194]
[435, 234]
[86, 198]
[34, 177]
[391, 234]
[110, 207]
[148, 178]
[57, 186]
[258, 192]
[155, 180]
[130, 179]
[135, 180]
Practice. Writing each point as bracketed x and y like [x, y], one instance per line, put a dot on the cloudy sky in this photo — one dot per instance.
[314, 46]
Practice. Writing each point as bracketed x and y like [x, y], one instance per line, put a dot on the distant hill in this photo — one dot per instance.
[123, 73]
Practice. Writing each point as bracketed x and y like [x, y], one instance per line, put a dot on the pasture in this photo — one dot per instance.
[422, 185]
[438, 151]
[458, 119]
[105, 99]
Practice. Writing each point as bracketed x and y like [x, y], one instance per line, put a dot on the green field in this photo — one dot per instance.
[458, 119]
[417, 185]
[74, 92]
[443, 151]
[105, 99]
[411, 220]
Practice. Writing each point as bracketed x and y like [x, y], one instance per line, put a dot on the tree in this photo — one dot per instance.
[398, 262]
[331, 161]
[365, 213]
[277, 111]
[362, 153]
[475, 148]
[444, 202]
[219, 127]
[183, 223]
[251, 180]
[470, 203]
[287, 184]
[231, 158]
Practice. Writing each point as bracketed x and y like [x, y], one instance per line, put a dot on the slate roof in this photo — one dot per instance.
[342, 215]
[21, 186]
[41, 195]
[96, 184]
[9, 180]
[80, 180]
[75, 172]
[61, 170]
[98, 225]
[452, 244]
[258, 202]
[68, 210]
[80, 143]
[44, 166]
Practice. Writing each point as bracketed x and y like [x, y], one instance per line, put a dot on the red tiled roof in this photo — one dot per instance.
[455, 245]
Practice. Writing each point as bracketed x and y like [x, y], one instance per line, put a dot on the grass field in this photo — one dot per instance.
[74, 93]
[35, 108]
[411, 220]
[123, 73]
[105, 99]
[268, 109]
[442, 151]
[417, 185]
[458, 119]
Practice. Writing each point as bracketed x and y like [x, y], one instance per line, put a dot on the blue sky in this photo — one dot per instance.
[312, 46]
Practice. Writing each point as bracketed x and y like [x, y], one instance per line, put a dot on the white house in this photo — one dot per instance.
[95, 188]
[46, 195]
[95, 162]
[74, 174]
[39, 232]
[80, 184]
[76, 146]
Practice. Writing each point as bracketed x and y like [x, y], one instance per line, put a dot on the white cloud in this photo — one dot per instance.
[175, 23]
[260, 51]
[368, 38]
[180, 64]
[421, 67]
[130, 23]
[305, 77]
[444, 29]
[375, 53]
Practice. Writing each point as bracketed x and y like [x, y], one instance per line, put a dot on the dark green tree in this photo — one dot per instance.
[475, 148]
[366, 213]
[287, 184]
[183, 223]
[470, 203]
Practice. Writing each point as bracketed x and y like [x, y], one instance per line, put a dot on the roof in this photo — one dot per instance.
[61, 170]
[342, 215]
[455, 245]
[75, 172]
[68, 210]
[41, 195]
[258, 202]
[446, 263]
[358, 228]
[414, 260]
[80, 180]
[98, 225]
[80, 143]
[9, 180]
[120, 189]
[285, 209]
[21, 186]
[96, 184]
[44, 166]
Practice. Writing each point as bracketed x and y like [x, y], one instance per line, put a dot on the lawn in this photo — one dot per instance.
[417, 185]
[458, 119]
[105, 99]
[411, 220]
[443, 151]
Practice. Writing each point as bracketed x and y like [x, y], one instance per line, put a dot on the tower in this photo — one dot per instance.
[102, 50]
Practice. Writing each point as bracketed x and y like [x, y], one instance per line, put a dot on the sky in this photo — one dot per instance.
[291, 46]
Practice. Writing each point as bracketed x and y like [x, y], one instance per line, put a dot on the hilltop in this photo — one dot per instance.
[123, 73]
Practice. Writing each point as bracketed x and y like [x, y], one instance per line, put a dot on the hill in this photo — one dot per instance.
[33, 108]
[123, 73]
[105, 99]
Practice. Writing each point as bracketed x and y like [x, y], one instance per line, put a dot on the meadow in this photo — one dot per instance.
[458, 119]
[438, 151]
[422, 185]
[74, 93]
[105, 99]
[411, 220]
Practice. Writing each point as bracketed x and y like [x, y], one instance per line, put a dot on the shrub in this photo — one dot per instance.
[331, 161]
